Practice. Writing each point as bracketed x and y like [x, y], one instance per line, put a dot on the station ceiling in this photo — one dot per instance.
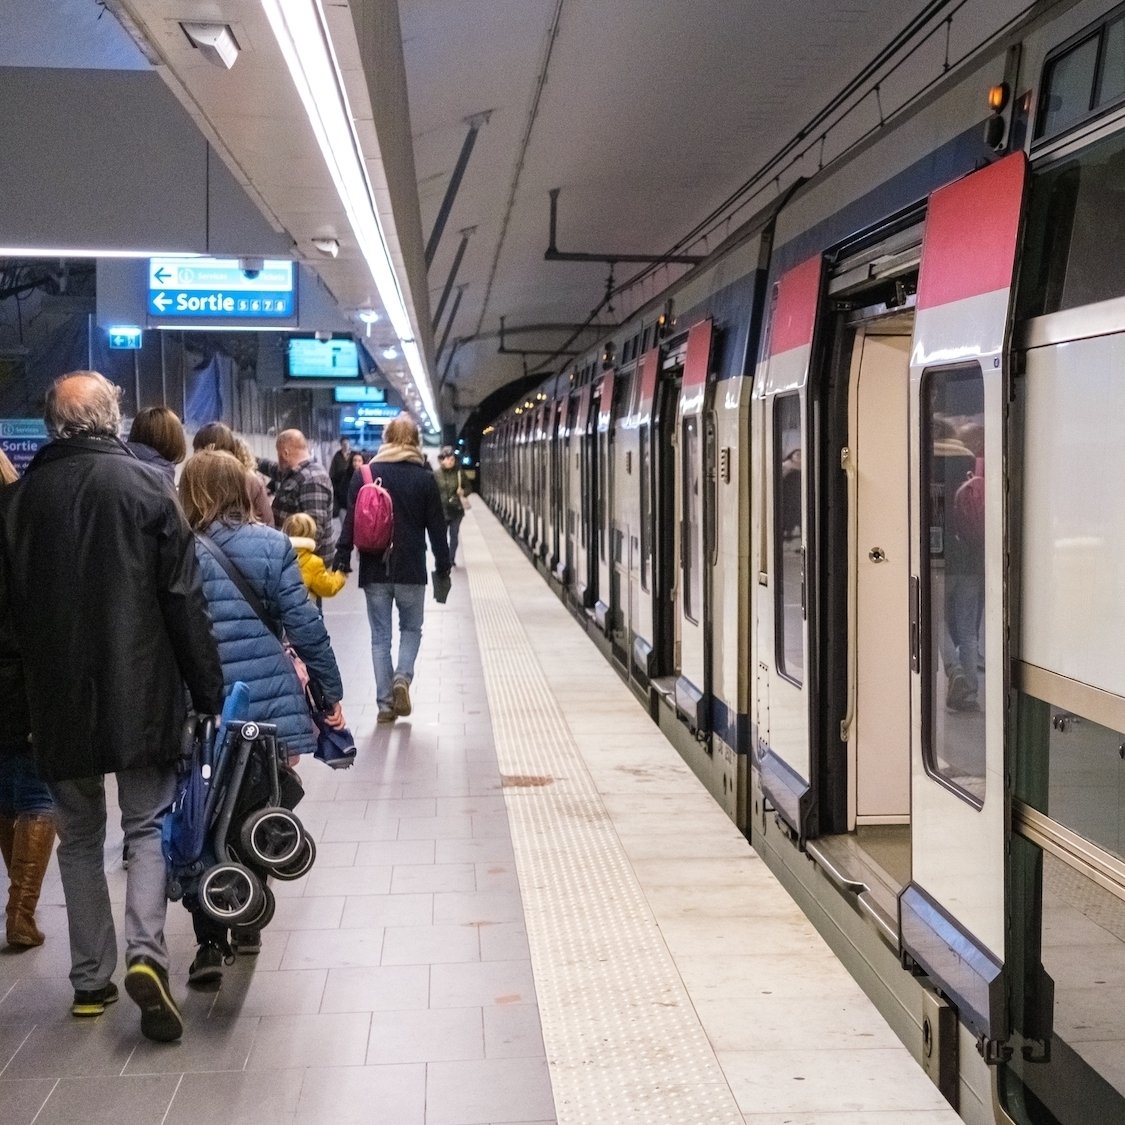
[662, 124]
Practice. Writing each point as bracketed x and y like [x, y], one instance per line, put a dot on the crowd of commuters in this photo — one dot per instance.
[126, 603]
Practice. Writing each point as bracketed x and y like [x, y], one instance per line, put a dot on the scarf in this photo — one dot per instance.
[390, 451]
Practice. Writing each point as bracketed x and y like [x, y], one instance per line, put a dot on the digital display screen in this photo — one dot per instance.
[360, 394]
[322, 359]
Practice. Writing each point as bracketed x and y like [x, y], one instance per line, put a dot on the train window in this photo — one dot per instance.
[693, 519]
[1068, 88]
[953, 588]
[645, 469]
[1082, 77]
[1076, 240]
[789, 538]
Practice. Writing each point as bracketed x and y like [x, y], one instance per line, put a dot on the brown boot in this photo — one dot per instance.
[31, 852]
[7, 832]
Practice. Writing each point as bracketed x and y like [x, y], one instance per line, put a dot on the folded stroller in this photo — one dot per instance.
[232, 823]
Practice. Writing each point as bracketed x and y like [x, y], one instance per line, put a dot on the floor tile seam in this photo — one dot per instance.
[172, 1099]
[496, 612]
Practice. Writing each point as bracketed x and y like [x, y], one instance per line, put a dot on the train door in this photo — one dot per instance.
[783, 698]
[879, 742]
[603, 506]
[557, 453]
[694, 511]
[570, 492]
[623, 524]
[666, 528]
[584, 500]
[952, 915]
[642, 580]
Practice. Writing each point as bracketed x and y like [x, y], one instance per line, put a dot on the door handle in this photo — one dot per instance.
[915, 624]
[877, 555]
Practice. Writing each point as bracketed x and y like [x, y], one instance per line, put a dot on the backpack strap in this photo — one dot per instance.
[365, 473]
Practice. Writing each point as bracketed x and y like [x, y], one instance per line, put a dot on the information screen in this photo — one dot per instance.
[322, 359]
[360, 394]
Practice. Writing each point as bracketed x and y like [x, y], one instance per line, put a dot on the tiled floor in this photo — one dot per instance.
[398, 982]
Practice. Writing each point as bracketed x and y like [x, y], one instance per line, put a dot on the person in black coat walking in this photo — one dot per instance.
[398, 576]
[102, 595]
[27, 822]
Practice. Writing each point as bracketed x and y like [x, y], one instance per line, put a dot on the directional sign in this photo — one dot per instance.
[121, 336]
[21, 439]
[220, 289]
[377, 412]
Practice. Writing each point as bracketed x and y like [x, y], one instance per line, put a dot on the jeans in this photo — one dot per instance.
[411, 601]
[21, 791]
[964, 604]
[144, 795]
[453, 526]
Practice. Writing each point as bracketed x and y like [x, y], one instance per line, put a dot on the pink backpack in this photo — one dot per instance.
[374, 524]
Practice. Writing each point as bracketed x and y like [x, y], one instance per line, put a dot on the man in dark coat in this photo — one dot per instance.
[400, 577]
[338, 474]
[103, 599]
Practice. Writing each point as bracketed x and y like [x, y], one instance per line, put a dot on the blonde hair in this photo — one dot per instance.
[8, 474]
[402, 431]
[300, 525]
[214, 486]
[244, 453]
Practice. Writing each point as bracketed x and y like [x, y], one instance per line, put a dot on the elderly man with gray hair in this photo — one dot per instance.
[301, 485]
[101, 595]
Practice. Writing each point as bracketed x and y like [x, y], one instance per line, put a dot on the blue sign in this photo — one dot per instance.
[220, 289]
[21, 439]
[123, 337]
[379, 412]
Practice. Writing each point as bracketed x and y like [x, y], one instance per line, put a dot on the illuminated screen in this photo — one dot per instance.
[321, 359]
[360, 394]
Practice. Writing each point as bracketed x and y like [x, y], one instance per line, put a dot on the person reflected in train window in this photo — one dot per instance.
[791, 494]
[964, 578]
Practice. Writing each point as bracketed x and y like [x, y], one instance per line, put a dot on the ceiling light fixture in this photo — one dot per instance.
[302, 34]
[215, 41]
[390, 353]
[327, 246]
[368, 316]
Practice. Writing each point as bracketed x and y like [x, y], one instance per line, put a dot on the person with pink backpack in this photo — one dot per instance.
[393, 504]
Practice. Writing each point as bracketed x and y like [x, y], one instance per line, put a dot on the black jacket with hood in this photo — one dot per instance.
[101, 595]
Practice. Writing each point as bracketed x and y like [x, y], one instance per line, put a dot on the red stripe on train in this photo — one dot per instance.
[794, 315]
[972, 225]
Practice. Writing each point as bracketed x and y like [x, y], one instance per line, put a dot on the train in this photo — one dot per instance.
[843, 506]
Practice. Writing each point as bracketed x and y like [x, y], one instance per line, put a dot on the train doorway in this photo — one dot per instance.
[879, 734]
[667, 535]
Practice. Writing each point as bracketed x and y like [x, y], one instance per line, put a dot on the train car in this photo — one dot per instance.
[842, 506]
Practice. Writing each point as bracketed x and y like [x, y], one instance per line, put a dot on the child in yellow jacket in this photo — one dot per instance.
[319, 581]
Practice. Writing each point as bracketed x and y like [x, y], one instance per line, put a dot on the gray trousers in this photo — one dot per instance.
[144, 795]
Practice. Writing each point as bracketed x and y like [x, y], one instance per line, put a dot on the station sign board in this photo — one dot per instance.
[21, 439]
[377, 412]
[360, 394]
[220, 290]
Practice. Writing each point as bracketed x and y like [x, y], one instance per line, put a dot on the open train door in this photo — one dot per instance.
[952, 912]
[784, 754]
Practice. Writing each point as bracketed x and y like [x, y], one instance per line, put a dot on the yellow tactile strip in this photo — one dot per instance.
[623, 1041]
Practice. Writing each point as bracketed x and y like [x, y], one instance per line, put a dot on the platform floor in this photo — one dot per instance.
[525, 909]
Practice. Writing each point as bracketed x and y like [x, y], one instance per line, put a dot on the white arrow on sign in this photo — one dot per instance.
[161, 301]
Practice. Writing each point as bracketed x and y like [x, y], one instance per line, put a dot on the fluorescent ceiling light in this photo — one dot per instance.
[71, 252]
[302, 34]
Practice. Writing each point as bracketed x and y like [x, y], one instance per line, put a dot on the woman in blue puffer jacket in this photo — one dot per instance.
[216, 500]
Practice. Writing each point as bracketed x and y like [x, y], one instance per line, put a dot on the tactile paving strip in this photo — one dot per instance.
[622, 1038]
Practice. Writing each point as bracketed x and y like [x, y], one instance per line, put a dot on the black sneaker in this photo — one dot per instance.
[207, 968]
[147, 985]
[247, 943]
[92, 1001]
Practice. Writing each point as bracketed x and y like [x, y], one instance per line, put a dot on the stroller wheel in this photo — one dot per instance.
[230, 893]
[265, 915]
[301, 864]
[271, 837]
